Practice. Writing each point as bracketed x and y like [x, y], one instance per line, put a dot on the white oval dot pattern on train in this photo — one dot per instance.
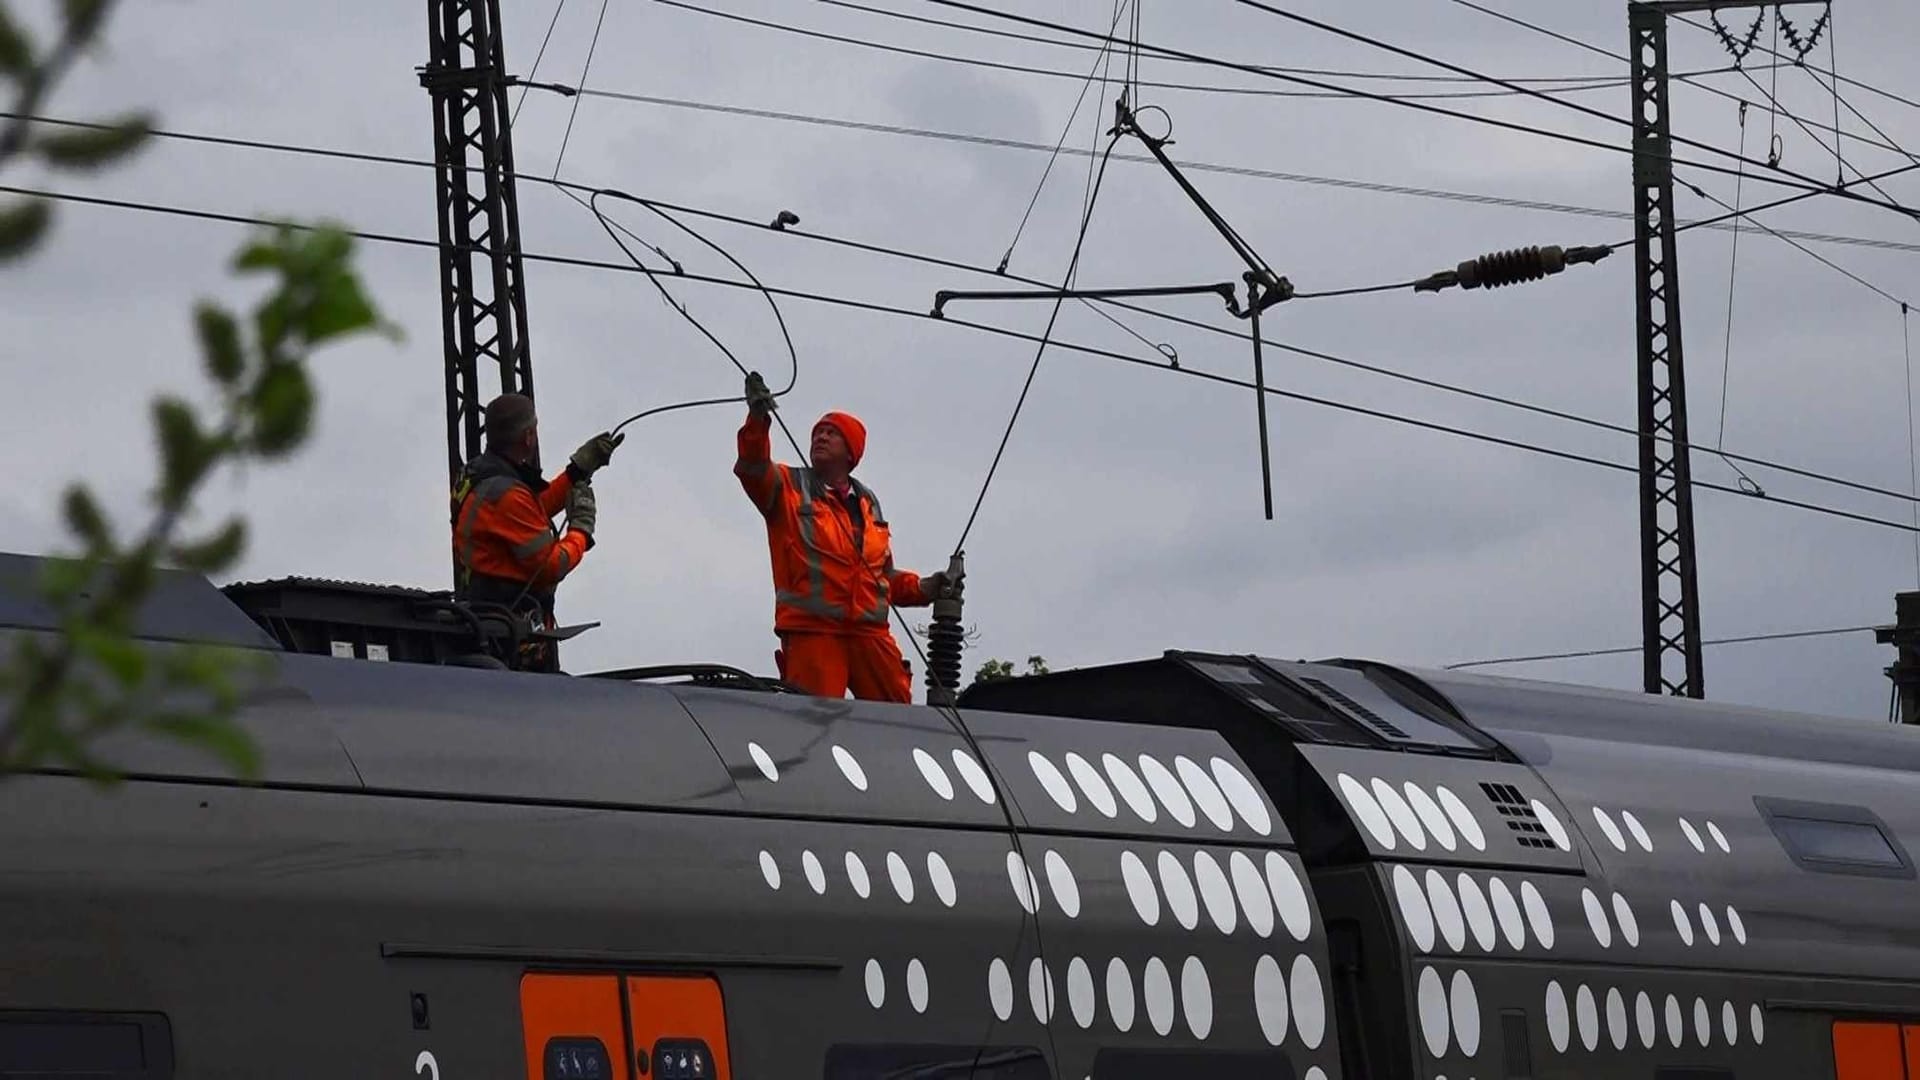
[1156, 988]
[1693, 836]
[1270, 999]
[1719, 838]
[1466, 1013]
[1415, 912]
[917, 985]
[1140, 888]
[1608, 828]
[816, 874]
[974, 776]
[1133, 790]
[1478, 913]
[1168, 790]
[1600, 1018]
[1289, 896]
[1462, 818]
[1251, 889]
[1446, 911]
[1080, 995]
[876, 984]
[1215, 892]
[1586, 1012]
[1597, 918]
[770, 870]
[935, 776]
[901, 877]
[1181, 901]
[1040, 991]
[1436, 1020]
[1092, 785]
[1513, 925]
[1431, 816]
[1681, 924]
[1405, 822]
[1629, 924]
[1551, 822]
[1309, 1002]
[1206, 794]
[1026, 889]
[1366, 811]
[857, 876]
[764, 762]
[1196, 997]
[1066, 891]
[1539, 919]
[1120, 995]
[1246, 799]
[941, 877]
[1736, 924]
[1052, 782]
[1559, 1023]
[850, 767]
[1639, 831]
[1709, 925]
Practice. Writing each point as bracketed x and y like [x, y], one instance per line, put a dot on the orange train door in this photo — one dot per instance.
[580, 1027]
[1874, 1051]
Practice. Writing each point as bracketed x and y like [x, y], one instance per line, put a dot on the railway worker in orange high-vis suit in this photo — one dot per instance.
[834, 581]
[505, 547]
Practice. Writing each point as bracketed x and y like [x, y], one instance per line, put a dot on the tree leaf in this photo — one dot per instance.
[16, 49]
[339, 307]
[93, 148]
[84, 17]
[85, 519]
[283, 410]
[21, 227]
[216, 552]
[185, 453]
[219, 343]
[119, 654]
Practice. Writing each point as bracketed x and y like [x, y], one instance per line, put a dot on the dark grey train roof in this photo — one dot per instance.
[182, 607]
[1507, 707]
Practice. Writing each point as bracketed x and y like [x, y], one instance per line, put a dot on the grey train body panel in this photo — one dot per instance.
[1220, 866]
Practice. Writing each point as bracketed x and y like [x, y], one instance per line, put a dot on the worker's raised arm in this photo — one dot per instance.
[754, 465]
[592, 456]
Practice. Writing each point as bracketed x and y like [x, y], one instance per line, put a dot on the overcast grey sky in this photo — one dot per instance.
[1126, 518]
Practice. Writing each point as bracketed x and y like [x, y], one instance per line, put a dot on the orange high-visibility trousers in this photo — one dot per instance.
[829, 664]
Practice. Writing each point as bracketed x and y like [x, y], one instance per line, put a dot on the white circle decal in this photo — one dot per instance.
[763, 761]
[1462, 818]
[1132, 789]
[769, 870]
[1559, 1027]
[1000, 988]
[1140, 888]
[1055, 784]
[901, 876]
[1066, 891]
[1719, 837]
[1168, 790]
[1099, 796]
[942, 878]
[1080, 994]
[1446, 911]
[1436, 1023]
[1431, 816]
[1251, 889]
[1289, 896]
[1040, 990]
[1587, 1012]
[1507, 910]
[1157, 988]
[917, 985]
[1473, 904]
[1215, 892]
[1026, 888]
[1693, 836]
[1367, 812]
[816, 874]
[1639, 831]
[876, 984]
[1309, 1002]
[1196, 997]
[1270, 999]
[1551, 822]
[1120, 995]
[1597, 918]
[857, 876]
[1405, 821]
[1466, 1014]
[1180, 898]
[1643, 1012]
[1629, 926]
[1680, 924]
[975, 776]
[1206, 794]
[1538, 918]
[1617, 1019]
[1610, 829]
[1414, 910]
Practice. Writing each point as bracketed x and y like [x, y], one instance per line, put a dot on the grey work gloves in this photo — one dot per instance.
[594, 454]
[582, 511]
[760, 400]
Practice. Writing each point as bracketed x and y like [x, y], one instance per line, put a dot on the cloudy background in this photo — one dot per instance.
[1126, 518]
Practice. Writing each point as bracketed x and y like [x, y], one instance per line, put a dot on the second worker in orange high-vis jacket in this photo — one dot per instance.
[834, 582]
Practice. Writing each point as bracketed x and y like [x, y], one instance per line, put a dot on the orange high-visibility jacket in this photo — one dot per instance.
[503, 536]
[832, 560]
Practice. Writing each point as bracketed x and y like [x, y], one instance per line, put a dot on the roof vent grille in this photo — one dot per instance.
[1380, 724]
[1515, 809]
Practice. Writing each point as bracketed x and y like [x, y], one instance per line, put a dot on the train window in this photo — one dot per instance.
[1161, 1064]
[1866, 1051]
[98, 1046]
[885, 1062]
[1835, 839]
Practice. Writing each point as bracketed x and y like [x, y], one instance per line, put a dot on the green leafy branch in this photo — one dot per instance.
[93, 678]
[33, 74]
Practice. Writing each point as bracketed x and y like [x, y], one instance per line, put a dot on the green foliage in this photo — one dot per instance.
[21, 227]
[94, 679]
[93, 147]
[996, 670]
